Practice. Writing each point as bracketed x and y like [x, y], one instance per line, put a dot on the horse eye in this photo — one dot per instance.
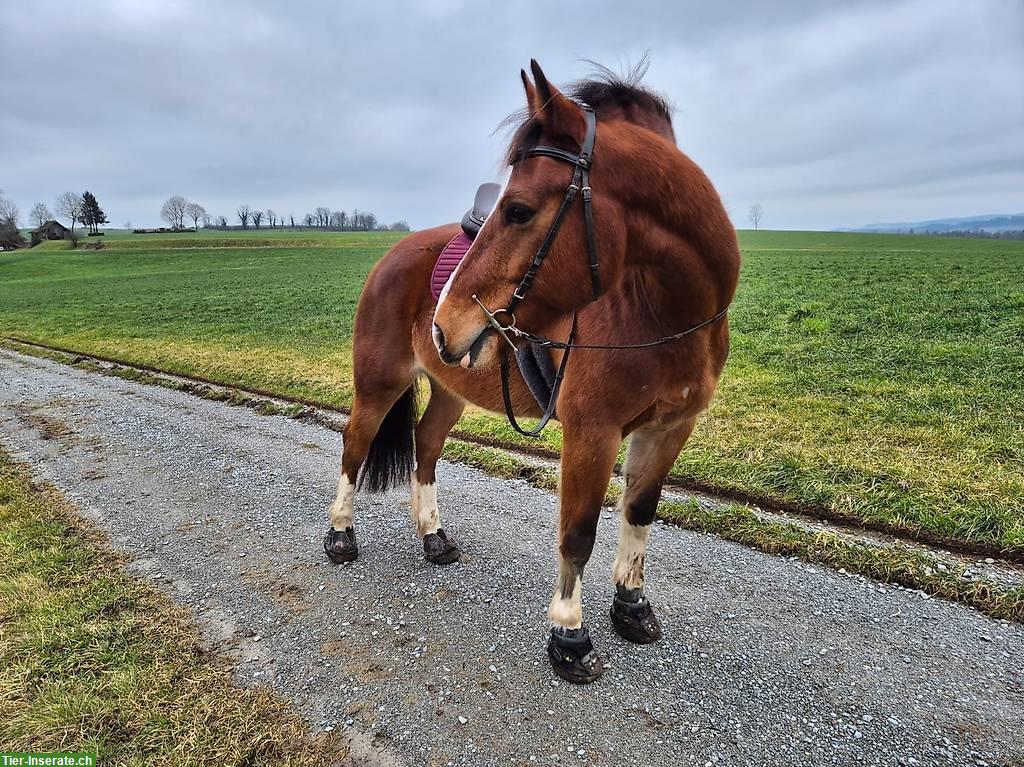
[518, 214]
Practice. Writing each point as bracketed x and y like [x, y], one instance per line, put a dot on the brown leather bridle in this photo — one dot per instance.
[578, 185]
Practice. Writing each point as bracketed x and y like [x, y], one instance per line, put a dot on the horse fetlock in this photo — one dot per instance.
[628, 569]
[341, 511]
[627, 594]
[566, 608]
[423, 503]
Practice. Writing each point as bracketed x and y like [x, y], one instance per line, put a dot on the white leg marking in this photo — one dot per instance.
[563, 611]
[341, 509]
[628, 569]
[424, 508]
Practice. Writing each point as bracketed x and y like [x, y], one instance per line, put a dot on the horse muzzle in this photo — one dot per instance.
[463, 355]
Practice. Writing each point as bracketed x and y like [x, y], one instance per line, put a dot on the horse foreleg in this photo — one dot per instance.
[443, 410]
[587, 463]
[649, 459]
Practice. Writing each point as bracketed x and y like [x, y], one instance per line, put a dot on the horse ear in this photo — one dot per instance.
[559, 115]
[531, 93]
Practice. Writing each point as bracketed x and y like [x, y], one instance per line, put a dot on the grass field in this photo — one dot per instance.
[876, 377]
[94, 661]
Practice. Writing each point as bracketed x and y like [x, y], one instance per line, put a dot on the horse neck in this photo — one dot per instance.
[678, 232]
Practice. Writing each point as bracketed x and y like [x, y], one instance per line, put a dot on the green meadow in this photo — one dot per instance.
[876, 378]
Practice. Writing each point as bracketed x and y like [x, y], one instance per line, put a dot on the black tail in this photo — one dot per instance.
[390, 458]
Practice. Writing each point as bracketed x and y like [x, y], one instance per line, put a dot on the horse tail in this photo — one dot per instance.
[389, 461]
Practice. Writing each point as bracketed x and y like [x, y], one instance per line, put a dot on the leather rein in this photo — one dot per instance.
[579, 185]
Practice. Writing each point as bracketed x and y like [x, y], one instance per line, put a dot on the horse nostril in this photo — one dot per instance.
[438, 338]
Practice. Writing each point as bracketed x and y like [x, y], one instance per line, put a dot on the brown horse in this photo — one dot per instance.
[668, 260]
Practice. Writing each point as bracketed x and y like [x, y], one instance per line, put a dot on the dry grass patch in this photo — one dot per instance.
[94, 660]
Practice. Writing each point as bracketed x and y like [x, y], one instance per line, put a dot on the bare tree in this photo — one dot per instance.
[222, 222]
[40, 214]
[195, 211]
[173, 211]
[69, 205]
[271, 217]
[257, 218]
[10, 234]
[323, 216]
[308, 220]
[8, 211]
[243, 215]
[756, 214]
[291, 217]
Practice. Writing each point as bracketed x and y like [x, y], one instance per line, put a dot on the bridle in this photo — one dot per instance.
[579, 185]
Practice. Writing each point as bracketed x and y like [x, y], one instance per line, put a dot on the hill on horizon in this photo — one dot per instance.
[989, 222]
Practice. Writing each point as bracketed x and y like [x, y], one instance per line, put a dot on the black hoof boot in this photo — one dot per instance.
[633, 617]
[573, 656]
[438, 549]
[340, 545]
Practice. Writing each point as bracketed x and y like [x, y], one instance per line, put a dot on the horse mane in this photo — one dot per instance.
[613, 96]
[606, 90]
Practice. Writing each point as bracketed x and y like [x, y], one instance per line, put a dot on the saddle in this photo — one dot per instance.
[534, 361]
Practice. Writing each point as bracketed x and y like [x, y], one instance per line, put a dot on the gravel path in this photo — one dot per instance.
[765, 660]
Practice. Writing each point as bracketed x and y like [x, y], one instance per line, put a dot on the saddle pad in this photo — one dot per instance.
[450, 258]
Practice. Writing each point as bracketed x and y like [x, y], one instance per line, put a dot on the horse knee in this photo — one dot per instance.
[576, 546]
[639, 507]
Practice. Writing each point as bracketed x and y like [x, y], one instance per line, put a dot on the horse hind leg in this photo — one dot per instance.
[649, 459]
[378, 440]
[443, 410]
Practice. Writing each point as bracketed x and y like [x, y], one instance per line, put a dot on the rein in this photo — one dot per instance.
[579, 185]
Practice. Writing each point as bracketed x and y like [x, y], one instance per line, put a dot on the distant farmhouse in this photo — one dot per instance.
[50, 230]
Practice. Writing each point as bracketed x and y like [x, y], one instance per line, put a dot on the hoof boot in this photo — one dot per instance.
[635, 620]
[340, 545]
[437, 548]
[573, 656]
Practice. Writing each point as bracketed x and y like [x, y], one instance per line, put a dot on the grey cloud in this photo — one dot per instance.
[829, 113]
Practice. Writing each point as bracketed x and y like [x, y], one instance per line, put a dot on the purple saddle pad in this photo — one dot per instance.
[450, 258]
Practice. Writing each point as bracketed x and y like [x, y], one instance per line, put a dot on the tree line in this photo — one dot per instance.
[979, 234]
[75, 208]
[81, 208]
[85, 209]
[177, 210]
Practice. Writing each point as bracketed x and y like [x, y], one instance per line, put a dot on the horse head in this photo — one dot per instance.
[522, 222]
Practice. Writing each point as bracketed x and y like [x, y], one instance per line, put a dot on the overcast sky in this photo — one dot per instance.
[828, 113]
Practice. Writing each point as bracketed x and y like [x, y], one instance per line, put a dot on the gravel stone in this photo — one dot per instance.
[402, 657]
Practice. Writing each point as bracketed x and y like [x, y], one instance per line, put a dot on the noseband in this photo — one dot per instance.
[579, 185]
